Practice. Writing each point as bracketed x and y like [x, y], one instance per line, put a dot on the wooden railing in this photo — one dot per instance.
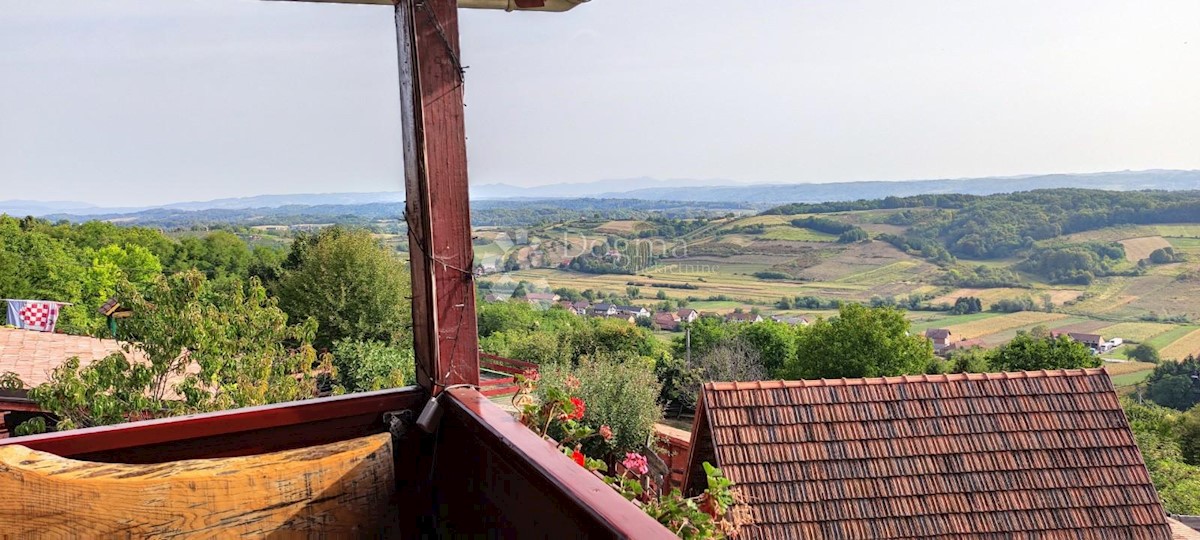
[237, 432]
[506, 369]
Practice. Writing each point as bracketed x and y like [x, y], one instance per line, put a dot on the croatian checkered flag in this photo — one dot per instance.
[37, 315]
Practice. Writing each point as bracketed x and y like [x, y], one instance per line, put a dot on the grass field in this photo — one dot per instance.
[1165, 339]
[621, 227]
[921, 326]
[993, 325]
[989, 296]
[796, 234]
[1130, 379]
[1179, 349]
[1123, 368]
[1136, 332]
[1137, 249]
[890, 273]
[1186, 230]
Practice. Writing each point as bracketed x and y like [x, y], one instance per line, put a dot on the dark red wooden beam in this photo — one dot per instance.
[503, 480]
[438, 212]
[236, 432]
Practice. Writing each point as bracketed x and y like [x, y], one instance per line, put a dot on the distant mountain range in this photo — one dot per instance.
[681, 189]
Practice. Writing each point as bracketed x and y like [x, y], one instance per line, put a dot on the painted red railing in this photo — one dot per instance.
[504, 369]
[236, 432]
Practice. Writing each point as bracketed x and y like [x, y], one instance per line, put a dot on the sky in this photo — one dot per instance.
[136, 102]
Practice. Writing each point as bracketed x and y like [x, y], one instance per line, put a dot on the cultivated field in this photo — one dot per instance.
[796, 234]
[1136, 332]
[992, 325]
[1184, 346]
[622, 227]
[990, 296]
[1137, 249]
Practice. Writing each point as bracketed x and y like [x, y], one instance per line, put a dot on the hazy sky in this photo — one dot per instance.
[128, 102]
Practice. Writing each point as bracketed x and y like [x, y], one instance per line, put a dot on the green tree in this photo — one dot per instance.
[244, 351]
[773, 342]
[1156, 430]
[1175, 384]
[1144, 352]
[372, 365]
[1025, 353]
[859, 342]
[1189, 436]
[353, 286]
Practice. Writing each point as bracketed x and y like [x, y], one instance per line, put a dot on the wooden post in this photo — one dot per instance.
[435, 174]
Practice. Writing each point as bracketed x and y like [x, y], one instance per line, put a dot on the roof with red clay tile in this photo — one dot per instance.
[1044, 454]
[32, 355]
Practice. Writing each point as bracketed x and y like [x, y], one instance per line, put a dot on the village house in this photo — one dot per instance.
[742, 316]
[940, 338]
[541, 299]
[603, 310]
[792, 320]
[1092, 341]
[667, 320]
[580, 307]
[688, 315]
[636, 311]
[1045, 454]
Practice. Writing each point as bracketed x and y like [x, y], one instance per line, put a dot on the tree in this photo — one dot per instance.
[1144, 352]
[859, 342]
[372, 365]
[736, 360]
[1160, 438]
[353, 286]
[774, 344]
[965, 305]
[633, 292]
[1189, 436]
[1175, 384]
[1026, 352]
[245, 351]
[1163, 255]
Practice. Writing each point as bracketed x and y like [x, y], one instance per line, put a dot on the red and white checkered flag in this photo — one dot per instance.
[38, 315]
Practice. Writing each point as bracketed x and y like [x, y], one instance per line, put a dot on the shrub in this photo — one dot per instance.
[373, 365]
[621, 395]
[1144, 352]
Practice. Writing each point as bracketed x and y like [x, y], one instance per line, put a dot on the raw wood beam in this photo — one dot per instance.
[339, 490]
[435, 172]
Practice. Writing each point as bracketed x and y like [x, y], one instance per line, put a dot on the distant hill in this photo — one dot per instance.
[678, 189]
[845, 191]
[483, 213]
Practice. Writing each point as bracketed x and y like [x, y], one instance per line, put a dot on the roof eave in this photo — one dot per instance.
[506, 5]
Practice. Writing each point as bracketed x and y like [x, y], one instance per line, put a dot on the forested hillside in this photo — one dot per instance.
[997, 226]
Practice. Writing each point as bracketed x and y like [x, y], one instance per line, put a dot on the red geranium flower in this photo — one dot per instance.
[578, 457]
[579, 408]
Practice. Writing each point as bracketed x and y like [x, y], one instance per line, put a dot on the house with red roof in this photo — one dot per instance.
[1044, 454]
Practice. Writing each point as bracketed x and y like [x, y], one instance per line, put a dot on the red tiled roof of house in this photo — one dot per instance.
[32, 355]
[937, 333]
[1044, 454]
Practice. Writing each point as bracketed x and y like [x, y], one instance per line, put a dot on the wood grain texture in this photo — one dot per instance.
[338, 490]
[437, 206]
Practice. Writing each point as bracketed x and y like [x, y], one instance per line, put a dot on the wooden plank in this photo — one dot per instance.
[344, 489]
[512, 483]
[234, 432]
[437, 207]
[509, 361]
